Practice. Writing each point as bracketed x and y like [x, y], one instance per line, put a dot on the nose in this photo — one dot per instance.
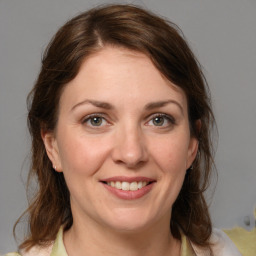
[130, 148]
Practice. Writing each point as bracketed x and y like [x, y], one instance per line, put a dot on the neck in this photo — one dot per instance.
[91, 240]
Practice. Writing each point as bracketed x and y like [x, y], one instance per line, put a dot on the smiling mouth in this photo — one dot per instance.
[128, 186]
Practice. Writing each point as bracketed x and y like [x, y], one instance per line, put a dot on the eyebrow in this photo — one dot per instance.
[159, 104]
[99, 104]
[149, 106]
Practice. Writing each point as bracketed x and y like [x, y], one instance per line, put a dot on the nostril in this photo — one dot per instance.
[130, 151]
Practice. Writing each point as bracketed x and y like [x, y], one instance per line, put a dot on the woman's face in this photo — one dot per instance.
[122, 141]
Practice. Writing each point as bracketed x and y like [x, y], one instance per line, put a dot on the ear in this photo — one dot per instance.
[52, 150]
[193, 146]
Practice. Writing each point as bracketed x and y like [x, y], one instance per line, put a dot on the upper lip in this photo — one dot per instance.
[127, 179]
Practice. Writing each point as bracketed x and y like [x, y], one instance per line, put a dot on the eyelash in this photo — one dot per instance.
[90, 117]
[167, 117]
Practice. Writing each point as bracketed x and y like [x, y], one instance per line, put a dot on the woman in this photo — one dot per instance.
[120, 119]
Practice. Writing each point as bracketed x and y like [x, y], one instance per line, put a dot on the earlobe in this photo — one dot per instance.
[193, 145]
[192, 152]
[51, 148]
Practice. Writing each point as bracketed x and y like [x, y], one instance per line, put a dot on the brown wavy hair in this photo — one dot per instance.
[139, 30]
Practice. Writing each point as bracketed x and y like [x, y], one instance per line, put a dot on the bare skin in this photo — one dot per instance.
[120, 120]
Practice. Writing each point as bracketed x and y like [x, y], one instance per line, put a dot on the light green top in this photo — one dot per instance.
[58, 248]
[244, 240]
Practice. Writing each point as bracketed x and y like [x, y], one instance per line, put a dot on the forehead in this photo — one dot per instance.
[112, 74]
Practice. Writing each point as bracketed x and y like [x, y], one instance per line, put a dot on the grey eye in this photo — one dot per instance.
[96, 121]
[158, 120]
[161, 121]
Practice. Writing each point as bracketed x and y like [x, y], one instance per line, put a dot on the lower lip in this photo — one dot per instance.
[128, 194]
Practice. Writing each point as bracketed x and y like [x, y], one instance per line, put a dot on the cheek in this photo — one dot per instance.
[82, 155]
[170, 153]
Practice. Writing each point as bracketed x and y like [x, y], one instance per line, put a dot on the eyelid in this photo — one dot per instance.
[170, 118]
[85, 118]
[88, 117]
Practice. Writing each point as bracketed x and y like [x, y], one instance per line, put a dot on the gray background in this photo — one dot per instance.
[222, 34]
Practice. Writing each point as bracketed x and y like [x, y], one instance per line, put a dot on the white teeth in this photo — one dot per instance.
[133, 186]
[125, 186]
[118, 185]
[139, 184]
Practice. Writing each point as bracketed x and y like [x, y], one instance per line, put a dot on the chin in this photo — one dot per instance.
[129, 222]
[129, 228]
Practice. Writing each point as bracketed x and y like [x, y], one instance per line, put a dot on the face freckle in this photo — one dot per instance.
[122, 141]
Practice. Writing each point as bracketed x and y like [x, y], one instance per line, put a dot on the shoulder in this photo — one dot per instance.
[12, 254]
[38, 251]
[54, 248]
[34, 251]
[245, 240]
[221, 245]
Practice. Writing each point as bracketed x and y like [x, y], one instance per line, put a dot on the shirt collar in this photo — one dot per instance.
[58, 248]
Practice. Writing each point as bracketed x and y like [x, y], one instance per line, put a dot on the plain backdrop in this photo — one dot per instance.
[222, 33]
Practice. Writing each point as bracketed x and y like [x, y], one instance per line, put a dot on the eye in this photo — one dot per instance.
[95, 120]
[161, 120]
[158, 120]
